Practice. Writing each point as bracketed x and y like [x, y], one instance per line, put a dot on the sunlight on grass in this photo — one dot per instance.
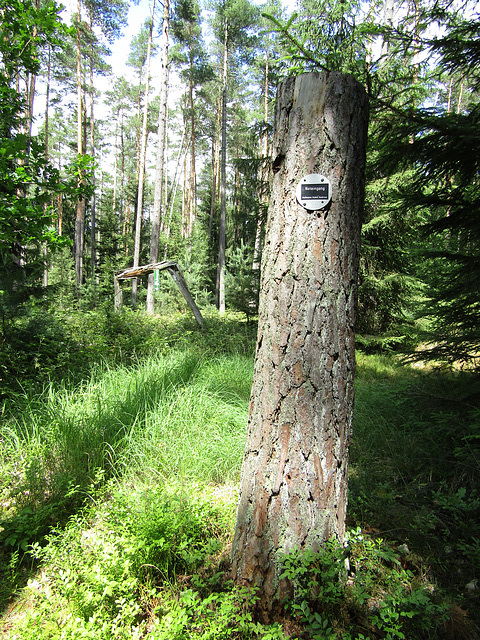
[109, 559]
[196, 431]
[168, 416]
[119, 494]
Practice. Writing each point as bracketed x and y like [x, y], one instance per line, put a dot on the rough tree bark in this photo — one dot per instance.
[293, 488]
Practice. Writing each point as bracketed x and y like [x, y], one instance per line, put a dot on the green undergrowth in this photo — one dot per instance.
[63, 346]
[362, 590]
[119, 487]
[415, 475]
[167, 417]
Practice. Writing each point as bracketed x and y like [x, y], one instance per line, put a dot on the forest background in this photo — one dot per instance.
[128, 173]
[99, 173]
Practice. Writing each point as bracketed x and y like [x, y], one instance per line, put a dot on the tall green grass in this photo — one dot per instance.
[195, 430]
[166, 417]
[143, 459]
[165, 421]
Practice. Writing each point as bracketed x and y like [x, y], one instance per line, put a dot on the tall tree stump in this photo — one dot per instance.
[293, 490]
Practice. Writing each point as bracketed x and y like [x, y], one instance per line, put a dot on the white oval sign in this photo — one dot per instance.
[314, 192]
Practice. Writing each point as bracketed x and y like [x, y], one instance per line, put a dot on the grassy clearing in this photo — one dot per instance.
[197, 429]
[167, 417]
[118, 495]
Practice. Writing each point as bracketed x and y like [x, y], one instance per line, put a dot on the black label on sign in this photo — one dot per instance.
[314, 191]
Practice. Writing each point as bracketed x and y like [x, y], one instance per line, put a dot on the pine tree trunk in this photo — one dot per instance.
[215, 164]
[193, 171]
[223, 210]
[115, 171]
[142, 159]
[30, 81]
[80, 208]
[47, 156]
[30, 98]
[47, 102]
[293, 489]
[186, 193]
[220, 288]
[263, 170]
[162, 126]
[122, 177]
[171, 196]
[93, 202]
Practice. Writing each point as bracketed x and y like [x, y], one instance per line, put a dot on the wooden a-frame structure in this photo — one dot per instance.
[174, 271]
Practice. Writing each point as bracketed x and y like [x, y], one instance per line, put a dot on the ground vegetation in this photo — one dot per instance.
[120, 461]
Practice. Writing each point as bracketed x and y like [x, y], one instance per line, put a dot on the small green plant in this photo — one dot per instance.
[376, 594]
[218, 616]
[109, 566]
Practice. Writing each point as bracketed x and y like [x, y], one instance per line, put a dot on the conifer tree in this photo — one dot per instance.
[160, 164]
[441, 145]
[234, 29]
[109, 17]
[191, 56]
[142, 153]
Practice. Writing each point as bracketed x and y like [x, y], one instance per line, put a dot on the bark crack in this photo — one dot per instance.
[277, 164]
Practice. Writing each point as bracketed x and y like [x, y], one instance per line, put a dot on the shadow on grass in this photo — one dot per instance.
[414, 458]
[415, 471]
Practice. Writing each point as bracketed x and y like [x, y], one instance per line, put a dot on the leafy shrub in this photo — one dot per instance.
[108, 564]
[221, 615]
[341, 592]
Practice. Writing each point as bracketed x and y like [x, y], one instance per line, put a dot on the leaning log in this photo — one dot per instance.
[173, 269]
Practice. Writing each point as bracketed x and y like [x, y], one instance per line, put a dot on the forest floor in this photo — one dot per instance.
[120, 455]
